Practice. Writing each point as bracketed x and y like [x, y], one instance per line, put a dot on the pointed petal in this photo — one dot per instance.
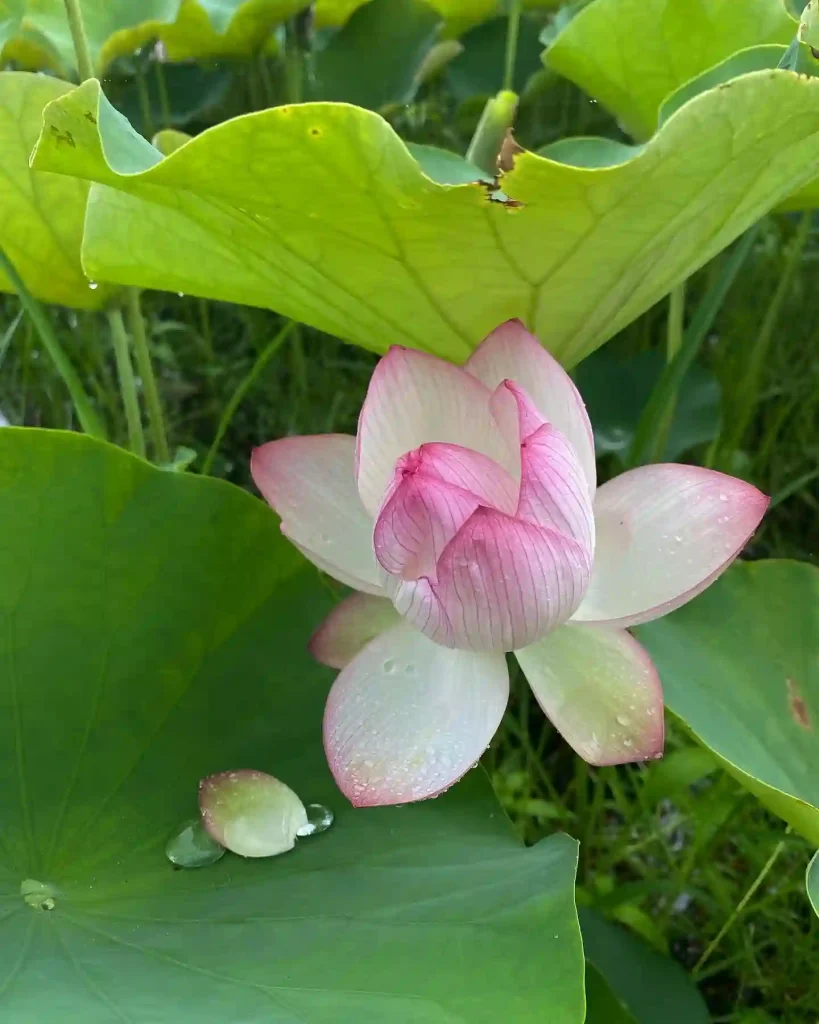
[502, 583]
[510, 352]
[413, 399]
[664, 533]
[553, 487]
[600, 689]
[436, 488]
[407, 718]
[350, 626]
[310, 482]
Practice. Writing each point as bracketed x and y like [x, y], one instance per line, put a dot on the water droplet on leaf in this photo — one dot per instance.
[192, 847]
[319, 819]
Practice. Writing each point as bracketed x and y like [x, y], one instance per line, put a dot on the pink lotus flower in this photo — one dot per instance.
[466, 514]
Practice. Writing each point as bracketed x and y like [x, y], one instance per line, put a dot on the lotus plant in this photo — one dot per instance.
[466, 515]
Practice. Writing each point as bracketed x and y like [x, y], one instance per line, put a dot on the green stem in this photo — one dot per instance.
[676, 314]
[512, 34]
[85, 66]
[646, 441]
[242, 389]
[145, 105]
[127, 383]
[748, 390]
[497, 118]
[145, 367]
[760, 878]
[162, 89]
[86, 414]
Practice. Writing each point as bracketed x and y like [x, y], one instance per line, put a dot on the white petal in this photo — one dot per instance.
[407, 718]
[600, 689]
[664, 533]
[310, 482]
[413, 399]
[510, 352]
[350, 626]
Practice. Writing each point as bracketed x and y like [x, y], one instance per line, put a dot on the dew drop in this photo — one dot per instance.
[192, 847]
[678, 538]
[389, 666]
[93, 285]
[622, 720]
[409, 669]
[181, 295]
[723, 497]
[319, 819]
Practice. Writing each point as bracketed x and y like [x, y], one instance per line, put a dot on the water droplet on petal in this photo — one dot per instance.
[622, 720]
[389, 665]
[319, 819]
[191, 846]
[723, 497]
[409, 669]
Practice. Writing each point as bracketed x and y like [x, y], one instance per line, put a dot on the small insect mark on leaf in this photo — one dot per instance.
[798, 707]
[90, 117]
[65, 136]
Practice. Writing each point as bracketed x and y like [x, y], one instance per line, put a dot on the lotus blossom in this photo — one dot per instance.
[466, 515]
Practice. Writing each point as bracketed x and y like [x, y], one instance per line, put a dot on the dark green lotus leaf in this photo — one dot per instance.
[739, 667]
[152, 631]
[320, 212]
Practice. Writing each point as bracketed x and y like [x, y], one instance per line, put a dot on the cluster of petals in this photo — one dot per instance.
[466, 516]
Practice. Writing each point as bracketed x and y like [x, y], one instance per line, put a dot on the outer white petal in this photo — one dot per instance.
[350, 626]
[664, 533]
[415, 398]
[600, 689]
[407, 718]
[310, 482]
[510, 352]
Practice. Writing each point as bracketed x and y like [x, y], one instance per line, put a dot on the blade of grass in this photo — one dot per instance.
[127, 383]
[89, 421]
[646, 445]
[145, 367]
[242, 389]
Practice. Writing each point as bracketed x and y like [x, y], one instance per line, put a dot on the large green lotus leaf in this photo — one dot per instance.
[813, 884]
[152, 630]
[739, 667]
[41, 214]
[36, 33]
[630, 54]
[635, 983]
[320, 212]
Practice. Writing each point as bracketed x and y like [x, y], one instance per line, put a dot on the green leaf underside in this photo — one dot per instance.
[643, 985]
[739, 667]
[41, 215]
[812, 881]
[603, 1006]
[36, 32]
[630, 54]
[153, 630]
[320, 212]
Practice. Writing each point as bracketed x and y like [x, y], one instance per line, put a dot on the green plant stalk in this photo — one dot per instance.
[673, 344]
[164, 98]
[497, 118]
[242, 389]
[512, 34]
[646, 441]
[86, 414]
[145, 105]
[760, 878]
[85, 66]
[127, 383]
[145, 367]
[748, 390]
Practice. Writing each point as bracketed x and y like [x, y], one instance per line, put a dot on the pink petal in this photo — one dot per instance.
[601, 691]
[436, 488]
[407, 718]
[510, 352]
[310, 482]
[350, 626]
[415, 398]
[664, 533]
[502, 583]
[553, 487]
